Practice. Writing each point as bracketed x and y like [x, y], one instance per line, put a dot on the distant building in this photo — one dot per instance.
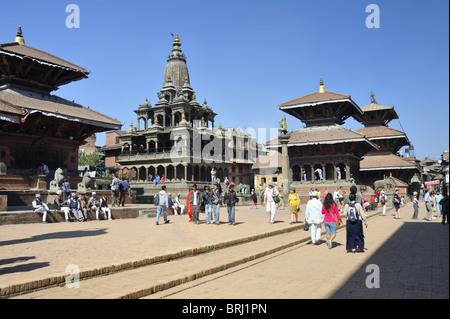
[178, 122]
[38, 127]
[324, 153]
[383, 162]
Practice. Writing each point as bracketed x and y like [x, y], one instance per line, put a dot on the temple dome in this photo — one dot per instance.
[176, 68]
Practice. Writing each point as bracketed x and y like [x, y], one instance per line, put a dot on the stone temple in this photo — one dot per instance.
[177, 137]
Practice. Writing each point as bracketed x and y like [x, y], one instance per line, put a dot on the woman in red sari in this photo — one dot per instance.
[189, 206]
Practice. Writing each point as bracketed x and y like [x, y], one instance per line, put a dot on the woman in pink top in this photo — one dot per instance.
[330, 212]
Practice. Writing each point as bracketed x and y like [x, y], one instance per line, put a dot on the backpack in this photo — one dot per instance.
[156, 199]
[383, 199]
[352, 213]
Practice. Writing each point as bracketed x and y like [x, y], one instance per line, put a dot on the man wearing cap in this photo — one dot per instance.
[60, 204]
[73, 206]
[104, 207]
[271, 206]
[178, 204]
[94, 204]
[40, 207]
[314, 217]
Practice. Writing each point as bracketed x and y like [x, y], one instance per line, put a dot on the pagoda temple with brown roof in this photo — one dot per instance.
[36, 126]
[384, 162]
[324, 153]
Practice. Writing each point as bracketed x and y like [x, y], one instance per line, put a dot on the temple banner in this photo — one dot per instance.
[435, 182]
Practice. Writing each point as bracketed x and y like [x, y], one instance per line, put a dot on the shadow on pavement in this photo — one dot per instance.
[57, 235]
[14, 260]
[412, 263]
[23, 268]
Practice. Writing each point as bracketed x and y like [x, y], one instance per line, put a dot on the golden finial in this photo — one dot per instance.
[194, 97]
[372, 98]
[183, 116]
[19, 36]
[220, 126]
[321, 86]
[203, 121]
[131, 124]
[177, 40]
[156, 120]
[205, 103]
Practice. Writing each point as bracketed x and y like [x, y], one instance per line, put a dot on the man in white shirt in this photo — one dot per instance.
[314, 217]
[195, 200]
[40, 207]
[271, 206]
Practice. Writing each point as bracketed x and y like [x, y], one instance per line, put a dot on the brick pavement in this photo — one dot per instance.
[31, 252]
[412, 257]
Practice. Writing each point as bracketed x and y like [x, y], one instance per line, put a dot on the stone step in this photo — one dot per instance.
[147, 280]
[59, 278]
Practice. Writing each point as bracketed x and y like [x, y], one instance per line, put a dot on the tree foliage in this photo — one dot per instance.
[91, 159]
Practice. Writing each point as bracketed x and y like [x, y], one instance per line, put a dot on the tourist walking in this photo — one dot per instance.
[294, 205]
[213, 175]
[383, 200]
[331, 219]
[355, 219]
[444, 204]
[254, 200]
[428, 206]
[397, 201]
[196, 200]
[271, 206]
[415, 206]
[123, 188]
[314, 217]
[230, 199]
[115, 191]
[162, 205]
[40, 207]
[207, 203]
[216, 201]
[189, 206]
[437, 200]
[353, 190]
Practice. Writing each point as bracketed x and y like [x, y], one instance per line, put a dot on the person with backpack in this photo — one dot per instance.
[115, 191]
[162, 201]
[397, 201]
[230, 198]
[271, 205]
[355, 219]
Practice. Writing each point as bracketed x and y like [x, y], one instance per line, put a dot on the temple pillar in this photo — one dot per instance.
[285, 167]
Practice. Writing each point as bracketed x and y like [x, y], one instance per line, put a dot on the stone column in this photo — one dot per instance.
[285, 167]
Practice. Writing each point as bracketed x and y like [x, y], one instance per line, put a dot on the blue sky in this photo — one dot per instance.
[247, 57]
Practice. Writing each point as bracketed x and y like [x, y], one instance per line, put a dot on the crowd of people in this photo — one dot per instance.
[77, 207]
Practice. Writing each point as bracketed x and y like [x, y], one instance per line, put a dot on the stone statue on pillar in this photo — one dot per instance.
[285, 167]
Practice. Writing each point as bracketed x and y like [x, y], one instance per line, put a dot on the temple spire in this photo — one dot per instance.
[321, 86]
[19, 36]
[372, 98]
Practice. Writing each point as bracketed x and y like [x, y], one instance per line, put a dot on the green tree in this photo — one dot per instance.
[91, 159]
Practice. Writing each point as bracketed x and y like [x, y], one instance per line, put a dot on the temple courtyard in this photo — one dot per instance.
[135, 258]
